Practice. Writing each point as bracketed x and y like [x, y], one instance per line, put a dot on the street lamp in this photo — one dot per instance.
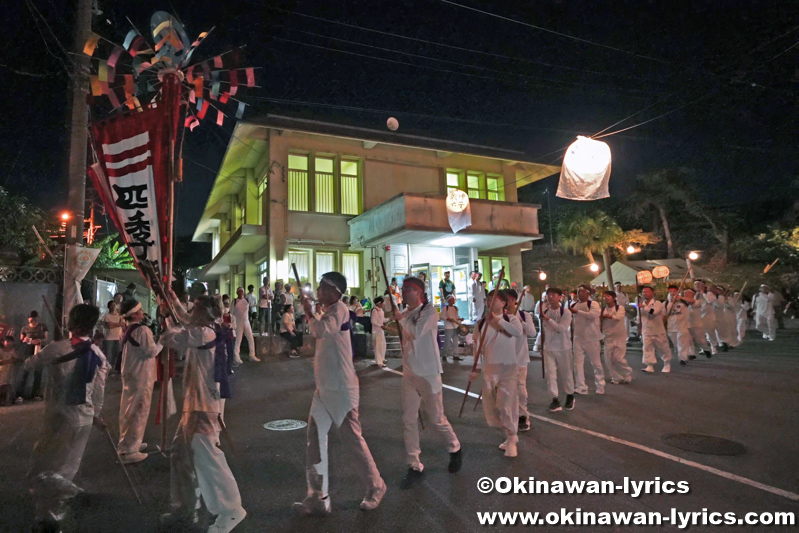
[542, 275]
[693, 256]
[631, 249]
[594, 267]
[65, 216]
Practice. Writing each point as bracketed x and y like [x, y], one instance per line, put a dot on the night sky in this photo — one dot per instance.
[724, 72]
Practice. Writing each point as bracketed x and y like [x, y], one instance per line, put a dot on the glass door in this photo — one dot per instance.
[460, 276]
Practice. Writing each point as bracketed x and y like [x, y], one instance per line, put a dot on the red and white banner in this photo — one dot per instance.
[132, 177]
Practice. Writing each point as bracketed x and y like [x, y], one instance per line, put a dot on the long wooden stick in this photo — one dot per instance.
[669, 311]
[482, 341]
[394, 309]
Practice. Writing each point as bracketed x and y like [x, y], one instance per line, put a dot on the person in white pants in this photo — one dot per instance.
[764, 313]
[556, 346]
[696, 327]
[706, 300]
[622, 300]
[139, 351]
[335, 402]
[654, 332]
[723, 334]
[587, 337]
[741, 307]
[198, 467]
[378, 319]
[421, 381]
[677, 325]
[478, 297]
[240, 309]
[449, 314]
[499, 366]
[522, 354]
[470, 293]
[731, 305]
[612, 321]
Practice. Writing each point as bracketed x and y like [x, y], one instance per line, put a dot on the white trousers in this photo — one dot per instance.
[616, 359]
[134, 411]
[416, 391]
[243, 328]
[317, 466]
[742, 325]
[732, 329]
[699, 338]
[379, 344]
[479, 308]
[450, 342]
[593, 350]
[521, 387]
[501, 401]
[656, 343]
[559, 362]
[683, 343]
[767, 325]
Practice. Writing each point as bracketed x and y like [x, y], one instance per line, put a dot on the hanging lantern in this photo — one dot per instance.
[586, 170]
[644, 277]
[458, 212]
[661, 271]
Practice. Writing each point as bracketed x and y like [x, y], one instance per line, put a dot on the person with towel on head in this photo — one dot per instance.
[557, 348]
[653, 331]
[614, 331]
[706, 299]
[139, 360]
[765, 320]
[335, 402]
[677, 324]
[421, 380]
[587, 340]
[73, 400]
[522, 354]
[696, 327]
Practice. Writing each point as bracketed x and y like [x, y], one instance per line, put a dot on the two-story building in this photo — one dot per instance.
[332, 197]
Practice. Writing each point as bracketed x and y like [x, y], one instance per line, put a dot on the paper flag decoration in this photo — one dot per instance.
[203, 110]
[95, 83]
[240, 110]
[91, 44]
[250, 77]
[114, 57]
[220, 118]
[217, 62]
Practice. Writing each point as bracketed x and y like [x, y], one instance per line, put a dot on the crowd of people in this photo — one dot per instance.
[207, 333]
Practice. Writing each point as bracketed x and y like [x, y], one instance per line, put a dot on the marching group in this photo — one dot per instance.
[207, 332]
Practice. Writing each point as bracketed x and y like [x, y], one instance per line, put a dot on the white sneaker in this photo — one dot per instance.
[130, 458]
[227, 521]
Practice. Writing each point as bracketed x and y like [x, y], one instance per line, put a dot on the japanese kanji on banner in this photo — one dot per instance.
[132, 177]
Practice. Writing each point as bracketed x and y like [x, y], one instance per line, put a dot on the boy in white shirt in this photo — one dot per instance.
[378, 319]
[557, 347]
[522, 355]
[500, 369]
[421, 380]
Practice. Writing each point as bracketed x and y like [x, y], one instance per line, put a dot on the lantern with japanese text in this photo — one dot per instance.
[459, 213]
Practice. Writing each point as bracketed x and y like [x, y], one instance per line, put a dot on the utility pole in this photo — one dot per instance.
[78, 130]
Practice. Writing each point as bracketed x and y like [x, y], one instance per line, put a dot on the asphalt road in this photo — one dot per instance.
[748, 395]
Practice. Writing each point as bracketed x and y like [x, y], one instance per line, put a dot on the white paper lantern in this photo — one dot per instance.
[458, 212]
[457, 201]
[392, 124]
[586, 170]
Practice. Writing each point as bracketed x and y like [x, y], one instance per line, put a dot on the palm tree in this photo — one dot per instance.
[663, 191]
[599, 233]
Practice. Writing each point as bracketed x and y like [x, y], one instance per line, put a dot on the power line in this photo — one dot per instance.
[533, 26]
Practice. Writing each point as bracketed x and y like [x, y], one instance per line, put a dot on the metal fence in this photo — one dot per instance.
[23, 274]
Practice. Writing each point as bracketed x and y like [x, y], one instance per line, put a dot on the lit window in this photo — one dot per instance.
[475, 187]
[298, 182]
[496, 188]
[351, 268]
[453, 181]
[301, 261]
[325, 185]
[350, 188]
[325, 262]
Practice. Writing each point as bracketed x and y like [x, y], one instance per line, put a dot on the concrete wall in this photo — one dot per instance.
[19, 299]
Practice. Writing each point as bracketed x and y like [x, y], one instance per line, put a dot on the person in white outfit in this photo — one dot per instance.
[522, 355]
[449, 315]
[612, 321]
[678, 325]
[499, 368]
[556, 345]
[240, 309]
[470, 293]
[696, 327]
[587, 337]
[265, 296]
[198, 467]
[139, 351]
[70, 409]
[654, 332]
[706, 300]
[720, 310]
[335, 402]
[764, 313]
[421, 381]
[731, 305]
[478, 297]
[623, 301]
[378, 319]
[741, 306]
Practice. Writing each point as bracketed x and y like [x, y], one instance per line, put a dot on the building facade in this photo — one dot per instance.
[331, 197]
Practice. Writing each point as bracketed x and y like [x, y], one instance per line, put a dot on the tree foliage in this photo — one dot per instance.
[766, 247]
[113, 254]
[17, 218]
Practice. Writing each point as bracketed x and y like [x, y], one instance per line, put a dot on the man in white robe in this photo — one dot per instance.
[240, 309]
[378, 319]
[765, 321]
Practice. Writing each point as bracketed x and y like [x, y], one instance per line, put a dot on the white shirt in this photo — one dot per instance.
[420, 354]
[679, 317]
[764, 304]
[742, 309]
[528, 330]
[113, 333]
[528, 302]
[450, 311]
[555, 332]
[240, 308]
[201, 391]
[289, 297]
[478, 293]
[586, 321]
[695, 315]
[138, 362]
[377, 317]
[652, 322]
[333, 368]
[265, 296]
[613, 328]
[622, 299]
[250, 297]
[707, 299]
[499, 349]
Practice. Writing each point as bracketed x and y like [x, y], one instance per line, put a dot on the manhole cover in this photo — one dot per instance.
[704, 444]
[285, 425]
